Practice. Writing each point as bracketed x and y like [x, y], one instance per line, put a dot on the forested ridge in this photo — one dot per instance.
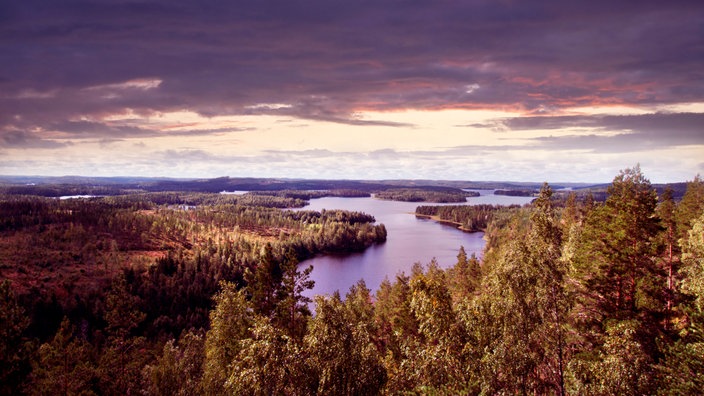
[571, 297]
[428, 194]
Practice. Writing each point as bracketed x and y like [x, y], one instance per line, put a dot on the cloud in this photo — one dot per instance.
[319, 109]
[77, 129]
[106, 143]
[70, 67]
[26, 140]
[225, 56]
[188, 156]
[626, 133]
[141, 84]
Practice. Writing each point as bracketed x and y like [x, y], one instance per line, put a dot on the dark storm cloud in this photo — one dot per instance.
[319, 109]
[328, 59]
[77, 129]
[23, 139]
[628, 133]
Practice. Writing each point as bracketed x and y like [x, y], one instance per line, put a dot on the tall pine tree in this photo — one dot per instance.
[620, 286]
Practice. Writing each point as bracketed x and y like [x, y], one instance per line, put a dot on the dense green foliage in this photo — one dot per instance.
[571, 297]
[438, 195]
[310, 194]
[92, 262]
[469, 218]
[516, 193]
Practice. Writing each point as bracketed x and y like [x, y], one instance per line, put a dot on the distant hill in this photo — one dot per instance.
[73, 185]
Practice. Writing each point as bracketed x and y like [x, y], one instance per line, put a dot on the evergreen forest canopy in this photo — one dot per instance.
[191, 293]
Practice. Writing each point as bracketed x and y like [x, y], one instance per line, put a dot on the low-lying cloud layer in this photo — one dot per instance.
[212, 84]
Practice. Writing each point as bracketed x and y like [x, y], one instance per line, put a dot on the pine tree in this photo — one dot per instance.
[682, 371]
[397, 327]
[517, 326]
[292, 309]
[545, 246]
[690, 208]
[230, 322]
[464, 276]
[615, 261]
[264, 281]
[120, 362]
[359, 308]
[179, 369]
[619, 284]
[666, 211]
[570, 214]
[64, 365]
[14, 347]
[693, 258]
[122, 312]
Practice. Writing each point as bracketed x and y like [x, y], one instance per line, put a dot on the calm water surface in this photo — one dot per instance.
[409, 240]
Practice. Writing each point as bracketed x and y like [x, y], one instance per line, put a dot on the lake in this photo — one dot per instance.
[409, 240]
[65, 197]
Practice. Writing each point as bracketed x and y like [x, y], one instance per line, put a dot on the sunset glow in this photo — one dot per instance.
[471, 91]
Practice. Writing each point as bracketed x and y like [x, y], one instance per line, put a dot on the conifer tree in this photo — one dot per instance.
[690, 207]
[179, 369]
[122, 312]
[264, 281]
[615, 262]
[667, 212]
[545, 245]
[397, 328]
[693, 257]
[682, 372]
[517, 326]
[359, 307]
[464, 276]
[620, 286]
[120, 362]
[64, 365]
[15, 349]
[230, 322]
[570, 214]
[292, 309]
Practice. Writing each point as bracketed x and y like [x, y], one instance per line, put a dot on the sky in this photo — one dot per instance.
[558, 91]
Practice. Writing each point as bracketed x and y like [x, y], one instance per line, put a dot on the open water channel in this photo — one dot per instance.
[409, 240]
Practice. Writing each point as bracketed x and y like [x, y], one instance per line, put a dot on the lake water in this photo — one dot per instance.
[409, 240]
[64, 197]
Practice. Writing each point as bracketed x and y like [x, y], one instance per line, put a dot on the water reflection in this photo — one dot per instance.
[409, 240]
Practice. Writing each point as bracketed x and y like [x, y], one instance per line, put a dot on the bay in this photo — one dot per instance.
[409, 240]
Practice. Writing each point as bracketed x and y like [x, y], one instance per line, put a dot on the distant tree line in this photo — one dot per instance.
[311, 194]
[516, 193]
[436, 195]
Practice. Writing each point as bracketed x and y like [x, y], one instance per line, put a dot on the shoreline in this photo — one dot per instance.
[455, 224]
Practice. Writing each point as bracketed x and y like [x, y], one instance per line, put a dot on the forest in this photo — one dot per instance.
[186, 293]
[428, 194]
[516, 193]
[469, 218]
